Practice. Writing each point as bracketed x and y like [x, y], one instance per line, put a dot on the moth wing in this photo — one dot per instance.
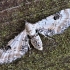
[19, 46]
[54, 24]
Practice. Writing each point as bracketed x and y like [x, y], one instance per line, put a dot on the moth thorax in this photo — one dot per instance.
[30, 29]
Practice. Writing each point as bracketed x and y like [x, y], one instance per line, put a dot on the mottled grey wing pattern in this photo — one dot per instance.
[54, 24]
[18, 47]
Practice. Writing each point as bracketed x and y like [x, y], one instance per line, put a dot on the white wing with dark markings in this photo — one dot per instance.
[18, 47]
[54, 24]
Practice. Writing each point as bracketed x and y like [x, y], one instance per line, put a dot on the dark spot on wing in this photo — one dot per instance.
[8, 47]
[56, 16]
[36, 30]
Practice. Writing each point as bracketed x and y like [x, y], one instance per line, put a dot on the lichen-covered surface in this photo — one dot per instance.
[13, 13]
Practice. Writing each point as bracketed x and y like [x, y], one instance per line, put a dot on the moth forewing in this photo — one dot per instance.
[54, 24]
[16, 42]
[14, 52]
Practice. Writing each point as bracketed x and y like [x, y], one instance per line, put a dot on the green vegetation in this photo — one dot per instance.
[53, 57]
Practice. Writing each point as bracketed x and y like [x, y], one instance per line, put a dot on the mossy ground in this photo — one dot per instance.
[53, 57]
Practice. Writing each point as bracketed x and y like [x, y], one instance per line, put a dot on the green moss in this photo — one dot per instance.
[53, 57]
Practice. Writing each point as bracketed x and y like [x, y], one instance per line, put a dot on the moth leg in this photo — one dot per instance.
[29, 48]
[51, 38]
[29, 51]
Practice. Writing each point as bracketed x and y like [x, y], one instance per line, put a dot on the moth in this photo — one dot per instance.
[52, 25]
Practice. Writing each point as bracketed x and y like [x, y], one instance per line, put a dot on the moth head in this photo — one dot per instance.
[30, 29]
